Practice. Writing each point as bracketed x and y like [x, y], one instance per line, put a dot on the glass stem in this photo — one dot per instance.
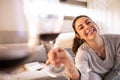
[51, 43]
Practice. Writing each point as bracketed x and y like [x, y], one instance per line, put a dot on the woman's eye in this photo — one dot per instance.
[88, 23]
[81, 27]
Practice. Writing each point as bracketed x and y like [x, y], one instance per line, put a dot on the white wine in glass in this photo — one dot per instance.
[50, 26]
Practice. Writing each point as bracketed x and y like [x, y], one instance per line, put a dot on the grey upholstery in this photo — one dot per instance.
[71, 53]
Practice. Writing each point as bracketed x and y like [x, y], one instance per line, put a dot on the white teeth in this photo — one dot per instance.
[91, 30]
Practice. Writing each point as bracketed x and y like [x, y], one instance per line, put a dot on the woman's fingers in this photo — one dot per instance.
[52, 58]
[60, 53]
[57, 64]
[47, 62]
[57, 57]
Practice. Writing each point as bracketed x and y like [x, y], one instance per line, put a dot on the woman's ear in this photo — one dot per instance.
[78, 36]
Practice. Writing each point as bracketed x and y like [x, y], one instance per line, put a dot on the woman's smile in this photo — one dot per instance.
[90, 31]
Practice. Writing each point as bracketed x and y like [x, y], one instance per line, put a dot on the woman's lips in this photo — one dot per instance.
[90, 31]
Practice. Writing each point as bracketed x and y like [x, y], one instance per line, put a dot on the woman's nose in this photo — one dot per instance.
[86, 26]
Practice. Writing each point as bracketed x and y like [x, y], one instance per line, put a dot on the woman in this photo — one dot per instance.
[96, 54]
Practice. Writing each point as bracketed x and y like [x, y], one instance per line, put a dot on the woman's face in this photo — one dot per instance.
[86, 28]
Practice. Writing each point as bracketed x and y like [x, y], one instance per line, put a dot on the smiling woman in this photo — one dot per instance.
[96, 54]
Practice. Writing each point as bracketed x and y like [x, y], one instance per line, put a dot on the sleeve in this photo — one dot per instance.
[115, 42]
[118, 45]
[117, 52]
[81, 62]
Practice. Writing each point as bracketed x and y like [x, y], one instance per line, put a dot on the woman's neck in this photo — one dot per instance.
[98, 46]
[96, 43]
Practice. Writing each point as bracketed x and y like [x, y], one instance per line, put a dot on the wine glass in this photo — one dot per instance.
[50, 26]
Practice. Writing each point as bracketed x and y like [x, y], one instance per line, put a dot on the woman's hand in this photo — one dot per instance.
[58, 56]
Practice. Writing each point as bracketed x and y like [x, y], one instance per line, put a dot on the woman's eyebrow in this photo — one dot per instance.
[80, 25]
[86, 20]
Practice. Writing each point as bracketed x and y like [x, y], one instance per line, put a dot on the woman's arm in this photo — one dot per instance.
[73, 73]
[60, 56]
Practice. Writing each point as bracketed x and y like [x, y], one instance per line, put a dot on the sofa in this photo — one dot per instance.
[15, 52]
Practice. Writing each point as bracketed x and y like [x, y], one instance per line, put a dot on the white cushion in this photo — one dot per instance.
[64, 40]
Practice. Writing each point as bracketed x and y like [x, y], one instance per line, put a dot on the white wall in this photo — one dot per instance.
[67, 27]
[106, 13]
[12, 16]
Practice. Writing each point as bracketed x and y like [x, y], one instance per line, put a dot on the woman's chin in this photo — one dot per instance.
[92, 36]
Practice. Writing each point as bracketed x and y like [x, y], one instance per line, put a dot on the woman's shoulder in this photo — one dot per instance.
[111, 36]
[113, 39]
[84, 48]
[84, 52]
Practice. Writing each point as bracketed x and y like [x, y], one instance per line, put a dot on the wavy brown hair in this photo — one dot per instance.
[77, 42]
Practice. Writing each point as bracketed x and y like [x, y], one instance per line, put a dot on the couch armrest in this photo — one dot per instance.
[38, 54]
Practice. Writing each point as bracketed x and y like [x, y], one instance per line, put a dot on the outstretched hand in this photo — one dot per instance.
[58, 56]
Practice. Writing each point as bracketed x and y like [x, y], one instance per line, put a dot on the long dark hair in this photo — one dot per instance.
[77, 42]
